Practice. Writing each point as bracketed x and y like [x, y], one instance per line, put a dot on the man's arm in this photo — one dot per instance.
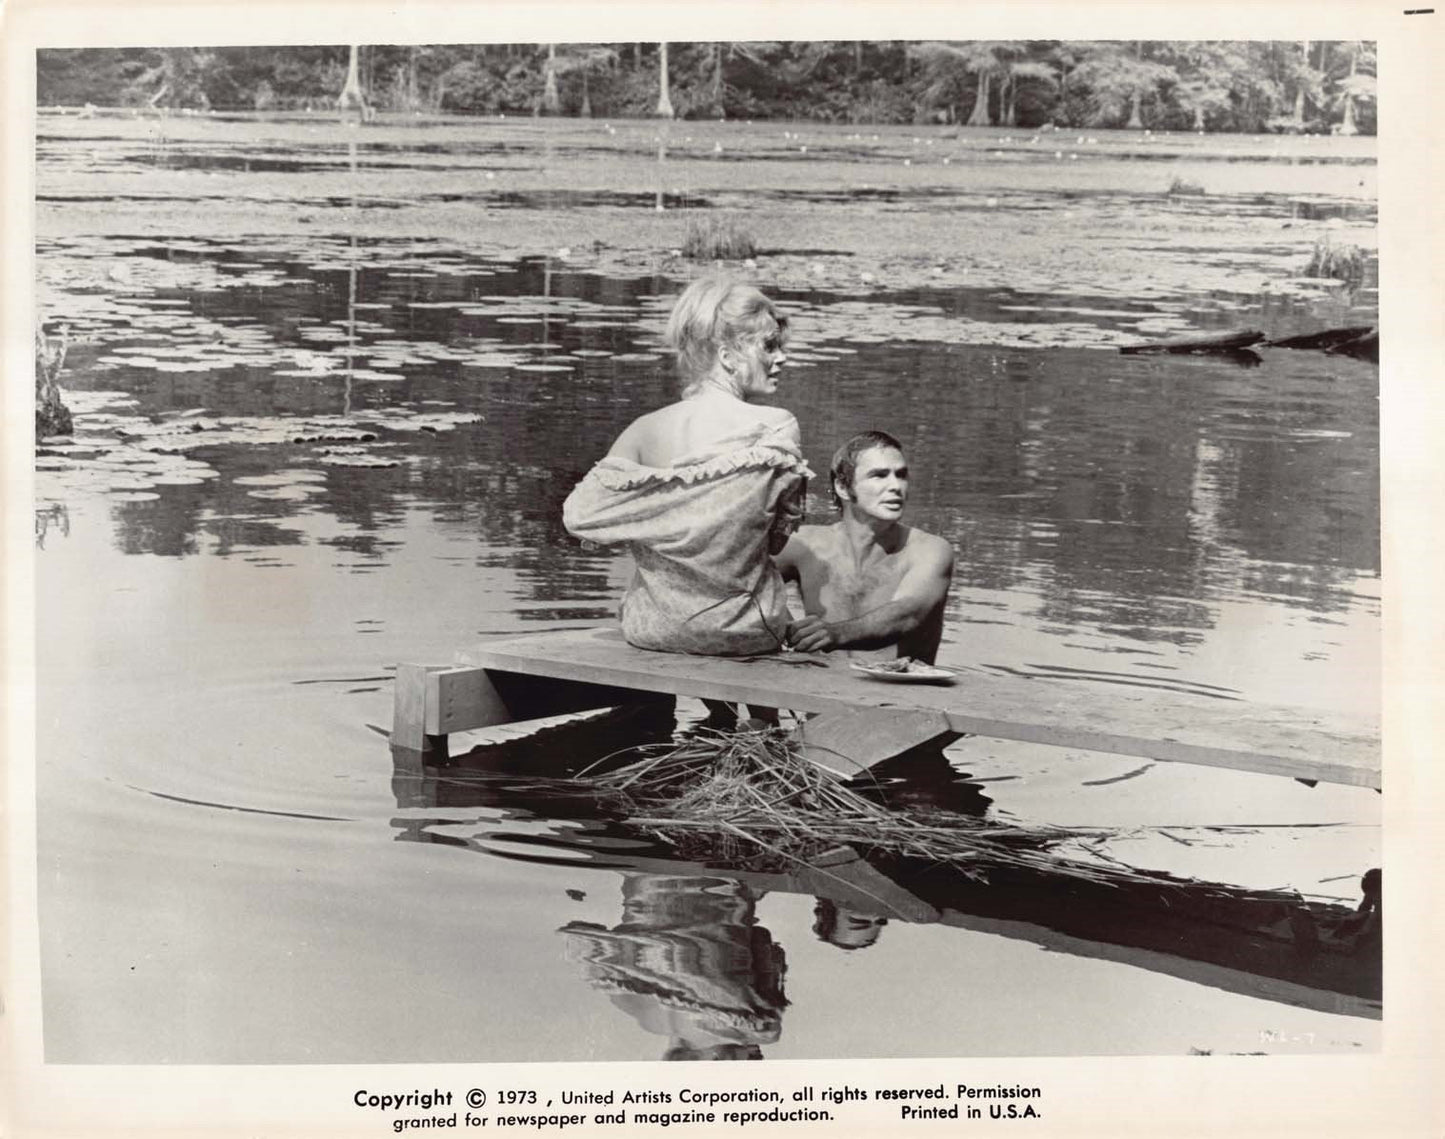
[786, 559]
[920, 591]
[788, 515]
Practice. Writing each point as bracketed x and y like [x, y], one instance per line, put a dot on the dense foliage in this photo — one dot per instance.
[1168, 85]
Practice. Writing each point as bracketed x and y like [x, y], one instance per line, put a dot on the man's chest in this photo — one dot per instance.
[850, 590]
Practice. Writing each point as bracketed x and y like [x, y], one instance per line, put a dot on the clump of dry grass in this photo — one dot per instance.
[1345, 262]
[714, 238]
[754, 788]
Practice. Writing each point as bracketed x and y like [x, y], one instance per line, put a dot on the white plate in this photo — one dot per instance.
[917, 674]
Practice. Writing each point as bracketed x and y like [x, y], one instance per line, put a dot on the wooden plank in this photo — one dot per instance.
[1366, 347]
[1326, 338]
[849, 741]
[459, 699]
[1301, 744]
[850, 882]
[1197, 342]
[856, 884]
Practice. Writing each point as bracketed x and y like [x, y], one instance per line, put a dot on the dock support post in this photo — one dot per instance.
[409, 713]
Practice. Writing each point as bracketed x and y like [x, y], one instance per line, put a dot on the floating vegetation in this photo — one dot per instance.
[297, 493]
[284, 486]
[133, 328]
[103, 455]
[494, 360]
[880, 322]
[1343, 262]
[138, 330]
[355, 457]
[404, 420]
[714, 238]
[751, 794]
[123, 455]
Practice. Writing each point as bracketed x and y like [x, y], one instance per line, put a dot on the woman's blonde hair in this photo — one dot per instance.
[713, 311]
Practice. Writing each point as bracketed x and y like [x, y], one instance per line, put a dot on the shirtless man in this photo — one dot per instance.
[869, 582]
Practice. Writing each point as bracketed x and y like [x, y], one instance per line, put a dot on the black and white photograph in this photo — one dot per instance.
[550, 551]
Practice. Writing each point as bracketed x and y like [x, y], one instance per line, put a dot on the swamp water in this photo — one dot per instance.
[302, 457]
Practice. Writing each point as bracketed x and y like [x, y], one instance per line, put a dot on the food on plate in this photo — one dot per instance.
[902, 664]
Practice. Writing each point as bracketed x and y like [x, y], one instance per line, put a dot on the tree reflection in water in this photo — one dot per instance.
[55, 514]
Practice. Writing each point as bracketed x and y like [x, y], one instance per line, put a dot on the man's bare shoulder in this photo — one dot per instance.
[807, 545]
[920, 546]
[819, 538]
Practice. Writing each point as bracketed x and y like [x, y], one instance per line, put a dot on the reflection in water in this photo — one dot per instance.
[845, 927]
[688, 961]
[351, 271]
[1127, 494]
[923, 779]
[55, 515]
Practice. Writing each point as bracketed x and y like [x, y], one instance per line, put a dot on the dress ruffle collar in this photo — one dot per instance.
[754, 449]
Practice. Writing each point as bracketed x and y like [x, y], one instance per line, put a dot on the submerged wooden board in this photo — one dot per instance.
[1299, 743]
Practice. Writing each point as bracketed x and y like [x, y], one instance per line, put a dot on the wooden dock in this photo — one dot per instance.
[859, 721]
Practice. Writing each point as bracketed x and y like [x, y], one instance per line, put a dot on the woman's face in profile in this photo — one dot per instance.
[760, 359]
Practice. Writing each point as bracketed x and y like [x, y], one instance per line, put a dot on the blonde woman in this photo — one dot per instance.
[705, 490]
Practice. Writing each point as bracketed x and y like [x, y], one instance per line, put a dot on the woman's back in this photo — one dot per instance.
[704, 490]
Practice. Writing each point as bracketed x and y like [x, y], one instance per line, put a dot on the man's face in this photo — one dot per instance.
[880, 484]
[858, 931]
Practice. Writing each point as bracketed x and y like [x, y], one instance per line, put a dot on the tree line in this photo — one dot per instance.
[1216, 85]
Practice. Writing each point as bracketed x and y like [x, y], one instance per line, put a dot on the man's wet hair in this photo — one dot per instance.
[844, 467]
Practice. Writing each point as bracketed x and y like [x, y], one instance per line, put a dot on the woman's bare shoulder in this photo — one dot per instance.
[647, 435]
[778, 421]
[658, 437]
[773, 416]
[723, 418]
